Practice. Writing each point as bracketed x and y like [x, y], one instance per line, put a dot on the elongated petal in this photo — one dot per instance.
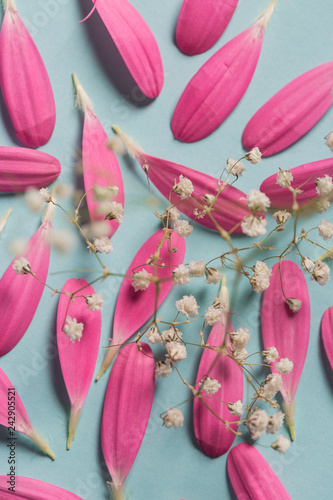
[251, 476]
[11, 401]
[22, 168]
[282, 197]
[33, 489]
[25, 83]
[287, 331]
[211, 433]
[78, 359]
[292, 112]
[127, 406]
[135, 42]
[201, 23]
[20, 293]
[133, 308]
[327, 333]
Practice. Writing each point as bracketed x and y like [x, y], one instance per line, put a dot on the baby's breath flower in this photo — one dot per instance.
[22, 266]
[114, 211]
[197, 268]
[240, 355]
[234, 167]
[321, 205]
[253, 156]
[97, 229]
[176, 351]
[261, 276]
[321, 272]
[239, 338]
[171, 335]
[284, 178]
[187, 306]
[213, 315]
[236, 408]
[271, 386]
[184, 188]
[257, 201]
[325, 229]
[72, 329]
[294, 304]
[284, 365]
[213, 275]
[281, 216]
[45, 195]
[307, 264]
[173, 418]
[153, 335]
[94, 302]
[281, 444]
[33, 199]
[117, 145]
[141, 280]
[105, 193]
[270, 355]
[180, 275]
[163, 369]
[210, 385]
[275, 422]
[253, 226]
[209, 198]
[257, 423]
[324, 185]
[172, 214]
[63, 240]
[183, 228]
[329, 140]
[103, 244]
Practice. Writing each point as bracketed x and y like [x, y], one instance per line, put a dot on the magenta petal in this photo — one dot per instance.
[327, 333]
[127, 406]
[78, 359]
[22, 168]
[218, 86]
[282, 197]
[25, 83]
[201, 23]
[291, 112]
[33, 489]
[20, 294]
[251, 476]
[133, 309]
[135, 42]
[212, 435]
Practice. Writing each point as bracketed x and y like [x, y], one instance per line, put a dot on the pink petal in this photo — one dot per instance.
[127, 406]
[218, 86]
[20, 294]
[212, 435]
[292, 112]
[201, 23]
[133, 309]
[282, 197]
[25, 83]
[33, 489]
[287, 331]
[251, 476]
[78, 359]
[22, 168]
[327, 333]
[135, 42]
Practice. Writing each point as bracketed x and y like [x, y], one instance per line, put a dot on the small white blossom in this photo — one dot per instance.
[45, 195]
[239, 338]
[284, 365]
[329, 140]
[180, 275]
[257, 423]
[234, 167]
[197, 268]
[258, 201]
[173, 418]
[236, 408]
[63, 240]
[213, 275]
[103, 244]
[324, 185]
[153, 335]
[187, 306]
[261, 276]
[275, 422]
[141, 280]
[281, 216]
[213, 315]
[284, 178]
[270, 355]
[209, 199]
[94, 302]
[294, 304]
[321, 272]
[72, 329]
[63, 190]
[210, 385]
[97, 229]
[272, 385]
[240, 355]
[33, 199]
[163, 369]
[105, 193]
[253, 156]
[281, 444]
[325, 229]
[171, 335]
[253, 226]
[117, 145]
[21, 266]
[172, 214]
[321, 205]
[114, 211]
[184, 188]
[176, 351]
[307, 264]
[183, 228]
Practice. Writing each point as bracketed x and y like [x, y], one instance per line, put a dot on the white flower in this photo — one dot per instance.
[240, 355]
[117, 145]
[236, 408]
[307, 264]
[183, 228]
[172, 214]
[171, 335]
[33, 199]
[270, 355]
[180, 275]
[115, 211]
[325, 229]
[163, 369]
[72, 329]
[213, 275]
[294, 304]
[197, 268]
[210, 385]
[324, 185]
[103, 244]
[105, 193]
[62, 240]
[321, 273]
[94, 302]
[97, 229]
[281, 216]
[261, 276]
[234, 167]
[45, 195]
[271, 386]
[173, 418]
[284, 178]
[284, 365]
[321, 205]
[281, 444]
[141, 280]
[253, 226]
[257, 423]
[209, 199]
[213, 315]
[176, 351]
[275, 422]
[153, 335]
[240, 338]
[329, 140]
[257, 201]
[187, 306]
[184, 188]
[253, 156]
[21, 266]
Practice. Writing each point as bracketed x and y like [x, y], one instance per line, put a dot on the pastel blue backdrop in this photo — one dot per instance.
[169, 465]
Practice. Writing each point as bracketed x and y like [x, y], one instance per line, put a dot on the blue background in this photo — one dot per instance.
[169, 465]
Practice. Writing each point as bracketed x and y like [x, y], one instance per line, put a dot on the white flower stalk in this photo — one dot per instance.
[210, 385]
[258, 201]
[324, 185]
[320, 273]
[253, 156]
[82, 100]
[22, 266]
[281, 444]
[284, 178]
[176, 351]
[325, 230]
[173, 418]
[73, 330]
[94, 302]
[187, 306]
[163, 368]
[184, 188]
[253, 226]
[236, 408]
[289, 409]
[197, 268]
[141, 280]
[183, 228]
[329, 140]
[103, 245]
[275, 422]
[284, 365]
[4, 219]
[133, 149]
[117, 145]
[270, 355]
[234, 167]
[257, 423]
